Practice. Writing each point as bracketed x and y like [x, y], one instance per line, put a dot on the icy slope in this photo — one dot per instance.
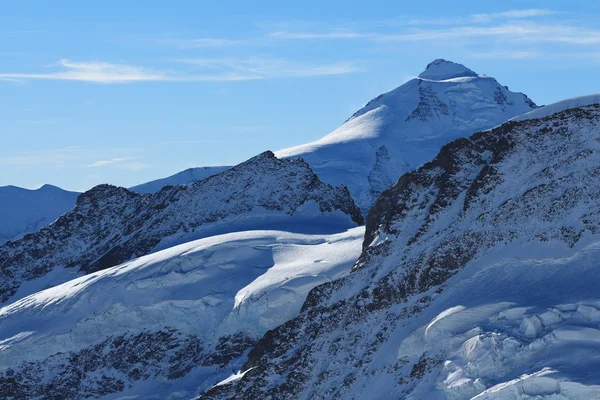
[23, 210]
[110, 225]
[175, 321]
[181, 178]
[400, 130]
[478, 280]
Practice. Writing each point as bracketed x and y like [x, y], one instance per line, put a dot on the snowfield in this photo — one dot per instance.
[515, 328]
[244, 282]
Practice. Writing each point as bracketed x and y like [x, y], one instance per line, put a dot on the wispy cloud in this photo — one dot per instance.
[512, 14]
[71, 155]
[271, 68]
[526, 31]
[194, 43]
[481, 18]
[94, 71]
[103, 72]
[515, 55]
[120, 162]
[333, 34]
[49, 157]
[112, 161]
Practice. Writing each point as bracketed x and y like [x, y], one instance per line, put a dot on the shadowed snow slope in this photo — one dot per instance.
[110, 225]
[181, 178]
[173, 321]
[400, 130]
[478, 280]
[23, 210]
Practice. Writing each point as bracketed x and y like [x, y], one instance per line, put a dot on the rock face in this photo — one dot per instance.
[23, 211]
[478, 279]
[110, 225]
[400, 130]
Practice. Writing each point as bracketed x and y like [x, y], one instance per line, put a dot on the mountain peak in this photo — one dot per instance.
[441, 69]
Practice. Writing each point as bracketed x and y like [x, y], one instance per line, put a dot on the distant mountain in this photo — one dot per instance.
[24, 210]
[168, 324]
[478, 280]
[402, 129]
[182, 178]
[110, 225]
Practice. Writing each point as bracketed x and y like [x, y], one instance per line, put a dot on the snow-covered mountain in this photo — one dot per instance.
[166, 325]
[110, 225]
[24, 210]
[186, 177]
[478, 280]
[402, 129]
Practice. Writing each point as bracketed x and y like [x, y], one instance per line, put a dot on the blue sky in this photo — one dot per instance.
[129, 91]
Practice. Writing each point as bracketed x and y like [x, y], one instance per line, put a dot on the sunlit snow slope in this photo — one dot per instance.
[175, 321]
[400, 130]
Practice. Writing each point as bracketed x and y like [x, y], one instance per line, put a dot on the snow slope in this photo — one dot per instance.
[211, 299]
[181, 178]
[110, 225]
[23, 211]
[400, 130]
[478, 280]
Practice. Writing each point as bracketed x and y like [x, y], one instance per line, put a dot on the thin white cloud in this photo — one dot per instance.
[194, 43]
[103, 72]
[525, 31]
[334, 34]
[71, 155]
[94, 71]
[512, 14]
[112, 161]
[531, 33]
[480, 18]
[508, 54]
[271, 68]
[50, 157]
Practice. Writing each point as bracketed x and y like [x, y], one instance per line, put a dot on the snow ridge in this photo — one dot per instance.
[110, 225]
[563, 105]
